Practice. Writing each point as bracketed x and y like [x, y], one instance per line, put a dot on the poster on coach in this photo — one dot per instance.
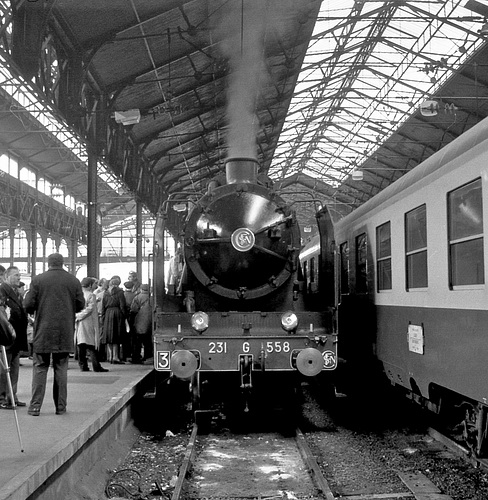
[416, 339]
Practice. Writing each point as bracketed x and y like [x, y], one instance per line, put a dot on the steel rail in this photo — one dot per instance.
[185, 466]
[313, 467]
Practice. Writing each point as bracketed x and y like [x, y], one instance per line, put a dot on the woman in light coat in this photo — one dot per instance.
[87, 331]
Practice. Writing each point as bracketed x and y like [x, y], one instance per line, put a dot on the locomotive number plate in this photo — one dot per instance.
[269, 346]
[223, 347]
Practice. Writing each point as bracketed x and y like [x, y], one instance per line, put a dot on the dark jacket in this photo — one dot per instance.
[55, 297]
[18, 317]
[114, 310]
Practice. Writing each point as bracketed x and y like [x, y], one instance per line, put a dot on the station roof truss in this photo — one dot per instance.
[165, 90]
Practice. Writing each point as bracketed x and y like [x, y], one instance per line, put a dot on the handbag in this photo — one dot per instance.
[7, 332]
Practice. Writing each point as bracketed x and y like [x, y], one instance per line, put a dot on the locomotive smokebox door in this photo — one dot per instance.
[241, 239]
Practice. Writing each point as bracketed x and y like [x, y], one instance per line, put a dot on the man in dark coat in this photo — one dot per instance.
[11, 299]
[55, 297]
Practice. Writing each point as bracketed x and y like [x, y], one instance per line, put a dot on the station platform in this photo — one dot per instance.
[57, 449]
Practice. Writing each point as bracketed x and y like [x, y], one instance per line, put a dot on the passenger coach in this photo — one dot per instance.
[411, 283]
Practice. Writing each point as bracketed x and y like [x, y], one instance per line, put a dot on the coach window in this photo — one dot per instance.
[361, 264]
[416, 247]
[383, 256]
[344, 268]
[465, 212]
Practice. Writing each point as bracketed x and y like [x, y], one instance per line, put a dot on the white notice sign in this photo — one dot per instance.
[416, 339]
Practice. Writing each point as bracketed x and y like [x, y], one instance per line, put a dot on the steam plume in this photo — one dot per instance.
[242, 29]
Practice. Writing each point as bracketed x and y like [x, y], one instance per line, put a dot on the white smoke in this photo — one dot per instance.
[242, 29]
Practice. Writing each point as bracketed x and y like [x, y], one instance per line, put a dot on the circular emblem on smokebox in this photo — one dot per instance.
[242, 239]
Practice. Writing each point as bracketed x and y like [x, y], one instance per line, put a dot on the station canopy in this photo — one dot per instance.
[335, 99]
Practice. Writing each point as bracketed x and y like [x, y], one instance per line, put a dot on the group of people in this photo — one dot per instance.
[125, 319]
[92, 318]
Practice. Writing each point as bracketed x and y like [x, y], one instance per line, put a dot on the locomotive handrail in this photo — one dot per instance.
[152, 288]
[228, 240]
[269, 226]
[164, 206]
[213, 240]
[270, 252]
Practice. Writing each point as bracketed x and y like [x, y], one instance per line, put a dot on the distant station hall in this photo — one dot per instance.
[283, 189]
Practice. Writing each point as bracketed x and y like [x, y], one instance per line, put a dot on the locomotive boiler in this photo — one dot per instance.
[236, 312]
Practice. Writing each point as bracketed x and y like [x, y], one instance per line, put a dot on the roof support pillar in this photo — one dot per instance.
[73, 249]
[33, 250]
[92, 247]
[139, 237]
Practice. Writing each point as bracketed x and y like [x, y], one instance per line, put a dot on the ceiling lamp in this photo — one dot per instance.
[357, 175]
[129, 117]
[429, 108]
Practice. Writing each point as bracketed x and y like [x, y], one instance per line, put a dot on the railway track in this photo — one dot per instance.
[268, 466]
[342, 454]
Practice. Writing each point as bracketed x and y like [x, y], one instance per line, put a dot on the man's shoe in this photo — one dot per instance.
[61, 412]
[101, 370]
[20, 403]
[6, 406]
[34, 411]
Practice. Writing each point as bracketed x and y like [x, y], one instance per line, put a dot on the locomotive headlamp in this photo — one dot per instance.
[289, 321]
[199, 321]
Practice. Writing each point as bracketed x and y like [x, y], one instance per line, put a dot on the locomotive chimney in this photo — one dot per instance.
[241, 170]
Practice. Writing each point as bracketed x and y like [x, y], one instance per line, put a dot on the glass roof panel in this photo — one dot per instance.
[368, 67]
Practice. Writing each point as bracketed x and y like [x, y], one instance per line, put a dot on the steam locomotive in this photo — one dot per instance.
[411, 285]
[238, 314]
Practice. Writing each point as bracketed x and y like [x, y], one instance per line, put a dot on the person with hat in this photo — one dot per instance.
[87, 331]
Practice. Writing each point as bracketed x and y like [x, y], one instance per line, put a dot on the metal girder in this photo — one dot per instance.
[379, 25]
[31, 208]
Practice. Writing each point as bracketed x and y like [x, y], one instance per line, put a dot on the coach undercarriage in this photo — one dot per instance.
[465, 419]
[472, 426]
